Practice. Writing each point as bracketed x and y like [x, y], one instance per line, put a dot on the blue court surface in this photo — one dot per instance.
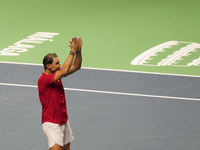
[107, 110]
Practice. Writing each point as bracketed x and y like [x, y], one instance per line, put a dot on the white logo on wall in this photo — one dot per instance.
[24, 44]
[172, 53]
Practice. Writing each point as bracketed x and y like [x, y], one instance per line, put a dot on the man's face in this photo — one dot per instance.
[55, 66]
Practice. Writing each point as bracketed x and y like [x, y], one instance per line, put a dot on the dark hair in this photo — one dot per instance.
[48, 59]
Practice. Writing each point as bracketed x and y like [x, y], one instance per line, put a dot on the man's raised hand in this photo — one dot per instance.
[80, 44]
[74, 44]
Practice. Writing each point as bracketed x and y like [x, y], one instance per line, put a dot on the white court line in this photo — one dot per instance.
[108, 92]
[103, 69]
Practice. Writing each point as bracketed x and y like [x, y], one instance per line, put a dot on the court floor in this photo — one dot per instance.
[107, 110]
[146, 97]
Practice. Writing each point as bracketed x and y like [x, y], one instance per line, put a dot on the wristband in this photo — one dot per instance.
[72, 53]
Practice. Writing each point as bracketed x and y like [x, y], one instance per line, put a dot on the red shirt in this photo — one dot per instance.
[52, 98]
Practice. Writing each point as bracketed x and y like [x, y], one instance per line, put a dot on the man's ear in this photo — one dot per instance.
[48, 66]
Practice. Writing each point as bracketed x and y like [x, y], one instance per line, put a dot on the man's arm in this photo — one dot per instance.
[69, 67]
[76, 64]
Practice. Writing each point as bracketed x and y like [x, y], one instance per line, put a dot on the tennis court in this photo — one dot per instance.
[139, 84]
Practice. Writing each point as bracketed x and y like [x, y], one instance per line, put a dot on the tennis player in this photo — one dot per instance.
[55, 122]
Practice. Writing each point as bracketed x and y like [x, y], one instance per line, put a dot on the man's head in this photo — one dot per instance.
[51, 62]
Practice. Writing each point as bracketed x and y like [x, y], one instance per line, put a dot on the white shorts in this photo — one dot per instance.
[58, 133]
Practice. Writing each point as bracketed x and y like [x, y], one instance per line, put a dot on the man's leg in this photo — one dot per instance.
[67, 146]
[56, 147]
